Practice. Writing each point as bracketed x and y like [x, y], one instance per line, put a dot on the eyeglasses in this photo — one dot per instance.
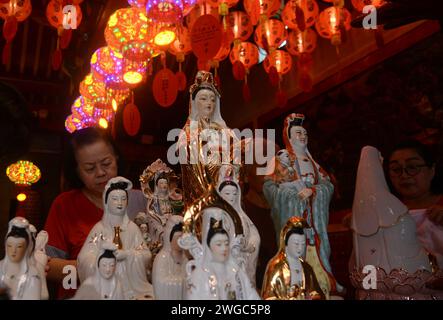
[411, 170]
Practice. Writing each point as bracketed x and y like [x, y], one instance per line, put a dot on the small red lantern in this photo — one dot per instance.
[261, 9]
[59, 19]
[301, 14]
[333, 23]
[301, 42]
[199, 10]
[280, 60]
[270, 34]
[360, 4]
[240, 26]
[243, 57]
[13, 12]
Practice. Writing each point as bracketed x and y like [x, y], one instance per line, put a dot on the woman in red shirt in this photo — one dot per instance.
[91, 160]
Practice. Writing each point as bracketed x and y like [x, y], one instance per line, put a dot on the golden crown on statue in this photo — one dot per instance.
[204, 80]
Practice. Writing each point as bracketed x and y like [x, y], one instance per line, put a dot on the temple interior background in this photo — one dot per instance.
[363, 94]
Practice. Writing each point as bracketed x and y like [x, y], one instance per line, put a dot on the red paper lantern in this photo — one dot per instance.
[131, 119]
[261, 9]
[240, 26]
[360, 4]
[181, 45]
[222, 5]
[168, 11]
[165, 87]
[246, 53]
[94, 90]
[199, 10]
[13, 12]
[332, 23]
[280, 60]
[206, 37]
[270, 34]
[225, 48]
[301, 42]
[307, 14]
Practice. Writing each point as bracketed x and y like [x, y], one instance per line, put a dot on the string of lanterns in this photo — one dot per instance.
[213, 31]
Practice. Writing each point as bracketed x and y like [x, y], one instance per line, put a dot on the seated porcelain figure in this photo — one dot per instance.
[214, 274]
[163, 201]
[169, 270]
[288, 276]
[133, 257]
[230, 191]
[303, 189]
[18, 270]
[104, 284]
[385, 236]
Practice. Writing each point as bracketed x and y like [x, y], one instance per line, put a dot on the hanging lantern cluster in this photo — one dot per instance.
[13, 12]
[213, 30]
[23, 173]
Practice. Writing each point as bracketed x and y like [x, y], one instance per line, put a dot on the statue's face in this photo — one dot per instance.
[144, 228]
[205, 100]
[16, 248]
[106, 267]
[296, 246]
[174, 245]
[219, 246]
[162, 185]
[299, 136]
[117, 202]
[229, 193]
[283, 155]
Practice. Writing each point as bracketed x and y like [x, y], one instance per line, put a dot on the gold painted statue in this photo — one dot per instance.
[288, 276]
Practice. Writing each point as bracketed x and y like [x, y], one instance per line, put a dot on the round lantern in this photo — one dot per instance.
[23, 173]
[72, 124]
[182, 44]
[332, 23]
[260, 9]
[12, 11]
[246, 53]
[300, 14]
[139, 4]
[93, 90]
[57, 18]
[127, 32]
[199, 10]
[270, 34]
[280, 60]
[168, 11]
[240, 26]
[83, 109]
[360, 4]
[301, 42]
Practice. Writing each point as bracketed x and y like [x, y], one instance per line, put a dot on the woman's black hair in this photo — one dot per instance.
[227, 183]
[116, 186]
[428, 157]
[177, 228]
[79, 139]
[216, 227]
[18, 232]
[106, 254]
[293, 231]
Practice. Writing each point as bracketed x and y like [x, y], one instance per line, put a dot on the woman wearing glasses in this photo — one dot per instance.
[413, 177]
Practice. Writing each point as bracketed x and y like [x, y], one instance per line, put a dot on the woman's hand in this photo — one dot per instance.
[435, 214]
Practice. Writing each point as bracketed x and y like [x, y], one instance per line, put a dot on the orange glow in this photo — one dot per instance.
[21, 197]
[132, 77]
[164, 38]
[103, 123]
[23, 173]
[114, 105]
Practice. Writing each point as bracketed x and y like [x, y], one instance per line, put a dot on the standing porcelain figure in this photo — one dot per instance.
[41, 259]
[288, 276]
[104, 284]
[205, 141]
[133, 256]
[307, 194]
[385, 236]
[214, 274]
[18, 271]
[169, 270]
[230, 191]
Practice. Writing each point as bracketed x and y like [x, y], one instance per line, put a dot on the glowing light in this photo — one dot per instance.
[114, 105]
[21, 197]
[23, 173]
[164, 38]
[132, 77]
[103, 123]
